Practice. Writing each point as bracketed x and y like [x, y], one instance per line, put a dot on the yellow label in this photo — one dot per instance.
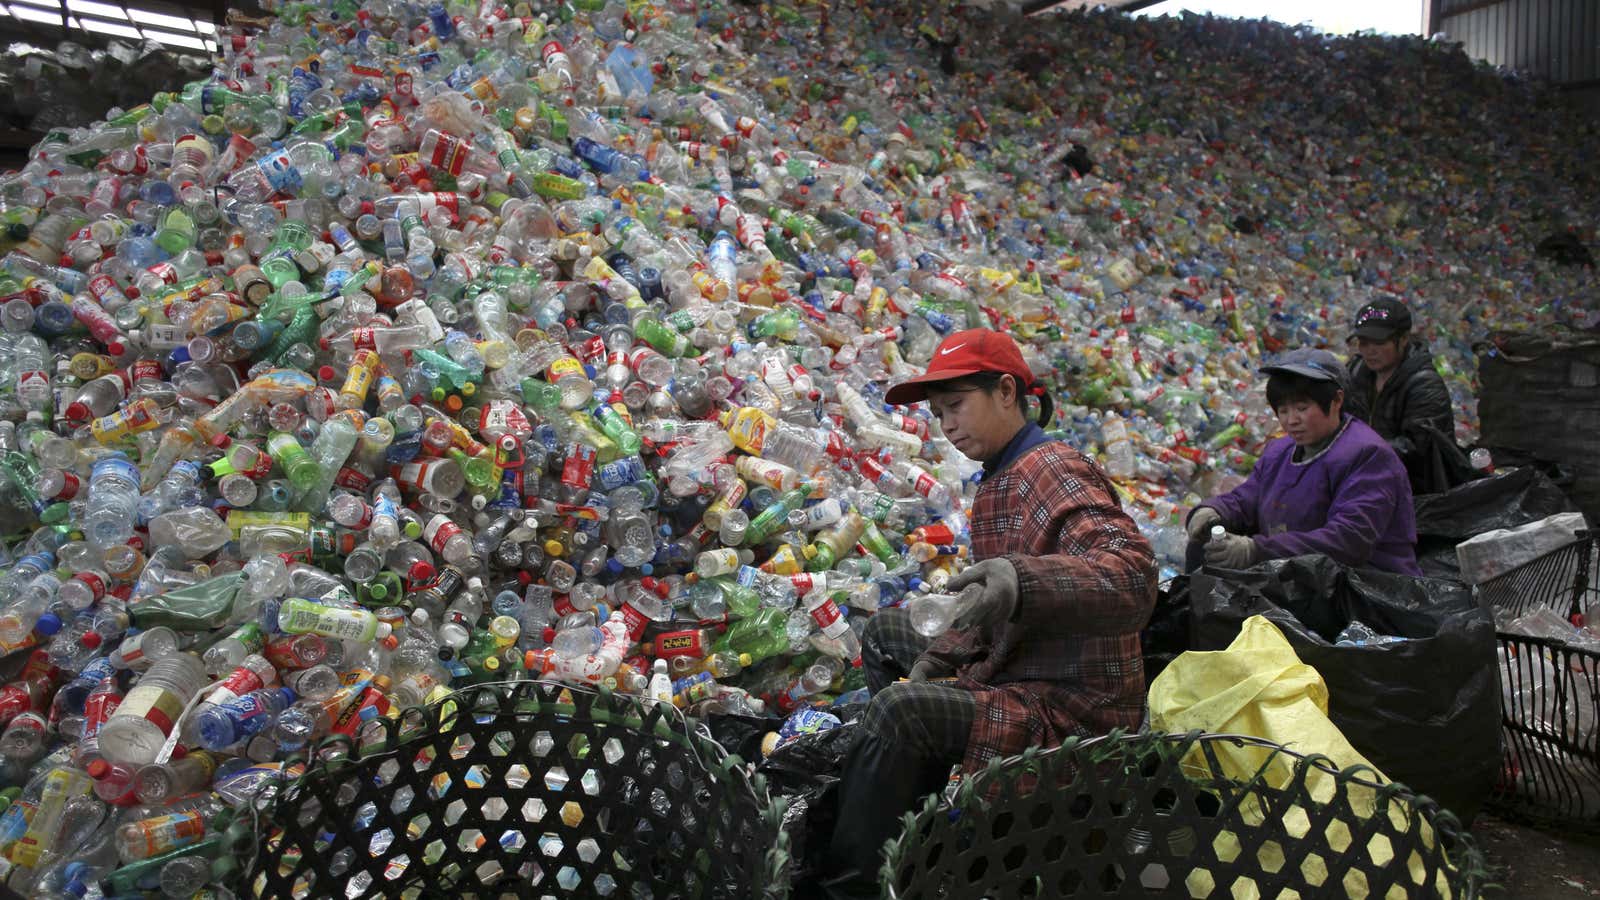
[748, 429]
[772, 474]
[563, 367]
[240, 519]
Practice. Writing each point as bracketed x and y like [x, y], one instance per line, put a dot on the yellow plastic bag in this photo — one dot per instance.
[1259, 687]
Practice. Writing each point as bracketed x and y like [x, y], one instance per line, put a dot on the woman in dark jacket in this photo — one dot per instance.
[1394, 388]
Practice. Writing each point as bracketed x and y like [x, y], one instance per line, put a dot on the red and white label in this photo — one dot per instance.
[96, 584]
[829, 620]
[439, 530]
[635, 620]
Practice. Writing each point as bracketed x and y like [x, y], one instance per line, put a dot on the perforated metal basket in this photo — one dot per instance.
[1550, 714]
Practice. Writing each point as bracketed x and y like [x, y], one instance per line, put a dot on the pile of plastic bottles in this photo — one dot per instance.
[426, 345]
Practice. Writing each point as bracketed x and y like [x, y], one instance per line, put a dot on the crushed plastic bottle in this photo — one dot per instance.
[425, 346]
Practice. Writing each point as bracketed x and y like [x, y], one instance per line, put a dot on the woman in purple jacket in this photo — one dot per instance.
[1331, 486]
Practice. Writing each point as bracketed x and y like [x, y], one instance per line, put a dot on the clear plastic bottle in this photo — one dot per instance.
[243, 717]
[160, 783]
[1117, 447]
[113, 498]
[138, 729]
[933, 614]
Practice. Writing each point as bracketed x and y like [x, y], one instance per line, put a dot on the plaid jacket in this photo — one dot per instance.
[1070, 661]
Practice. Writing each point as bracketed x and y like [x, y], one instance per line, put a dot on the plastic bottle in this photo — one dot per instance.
[933, 614]
[242, 717]
[113, 497]
[137, 730]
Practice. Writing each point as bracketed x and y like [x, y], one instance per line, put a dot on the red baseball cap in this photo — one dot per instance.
[965, 353]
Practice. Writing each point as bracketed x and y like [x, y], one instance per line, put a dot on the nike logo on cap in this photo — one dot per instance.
[949, 350]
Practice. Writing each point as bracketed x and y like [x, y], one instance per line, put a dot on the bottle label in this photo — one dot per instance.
[132, 651]
[30, 723]
[161, 834]
[439, 530]
[154, 704]
[772, 474]
[829, 620]
[114, 466]
[749, 428]
[241, 681]
[681, 643]
[250, 637]
[280, 172]
[290, 652]
[634, 620]
[353, 479]
[563, 367]
[97, 710]
[578, 470]
[96, 584]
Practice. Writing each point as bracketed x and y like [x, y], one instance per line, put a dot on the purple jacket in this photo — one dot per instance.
[1351, 502]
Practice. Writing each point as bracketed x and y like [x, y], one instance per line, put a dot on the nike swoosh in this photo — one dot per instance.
[949, 350]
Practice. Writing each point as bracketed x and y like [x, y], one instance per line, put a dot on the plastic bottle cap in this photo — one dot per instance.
[90, 640]
[98, 769]
[48, 624]
[78, 411]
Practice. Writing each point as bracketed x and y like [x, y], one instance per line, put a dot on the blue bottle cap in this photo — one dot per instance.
[48, 624]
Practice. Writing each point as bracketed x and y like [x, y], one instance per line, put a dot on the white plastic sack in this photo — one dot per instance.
[1494, 553]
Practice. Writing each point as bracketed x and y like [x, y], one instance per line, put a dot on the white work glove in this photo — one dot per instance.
[1200, 522]
[997, 593]
[1232, 551]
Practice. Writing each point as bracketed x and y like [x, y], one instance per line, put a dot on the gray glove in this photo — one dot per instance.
[996, 593]
[1200, 522]
[1232, 551]
[926, 668]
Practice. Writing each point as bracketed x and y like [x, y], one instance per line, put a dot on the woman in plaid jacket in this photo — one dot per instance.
[1050, 648]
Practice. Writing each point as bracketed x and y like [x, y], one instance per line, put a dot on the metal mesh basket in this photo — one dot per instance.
[1157, 815]
[1550, 710]
[524, 789]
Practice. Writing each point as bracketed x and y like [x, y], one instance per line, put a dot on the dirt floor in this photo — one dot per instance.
[1531, 864]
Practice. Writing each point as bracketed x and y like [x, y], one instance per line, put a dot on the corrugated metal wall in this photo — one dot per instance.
[1554, 39]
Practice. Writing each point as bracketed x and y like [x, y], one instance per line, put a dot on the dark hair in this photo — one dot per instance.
[1287, 387]
[989, 382]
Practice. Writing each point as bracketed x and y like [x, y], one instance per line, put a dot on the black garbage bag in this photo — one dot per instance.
[1564, 248]
[806, 772]
[1167, 635]
[741, 735]
[1503, 500]
[1437, 463]
[1425, 711]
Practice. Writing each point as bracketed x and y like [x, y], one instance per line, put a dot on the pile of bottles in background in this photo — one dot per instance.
[426, 345]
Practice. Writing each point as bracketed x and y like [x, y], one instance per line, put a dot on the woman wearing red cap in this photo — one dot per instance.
[1050, 649]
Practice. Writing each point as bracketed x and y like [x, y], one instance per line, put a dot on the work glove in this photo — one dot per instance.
[1232, 551]
[995, 583]
[1200, 522]
[926, 669]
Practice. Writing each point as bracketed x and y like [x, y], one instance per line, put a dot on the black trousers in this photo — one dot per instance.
[907, 741]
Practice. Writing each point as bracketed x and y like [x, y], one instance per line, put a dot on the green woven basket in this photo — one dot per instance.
[523, 789]
[1157, 815]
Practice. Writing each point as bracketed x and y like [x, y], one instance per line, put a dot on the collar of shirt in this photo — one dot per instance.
[1303, 455]
[1026, 438]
